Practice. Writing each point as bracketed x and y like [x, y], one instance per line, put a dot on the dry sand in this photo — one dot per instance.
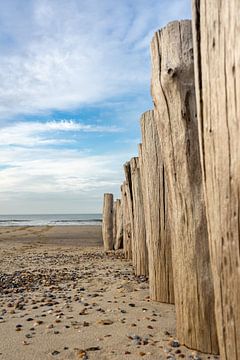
[63, 297]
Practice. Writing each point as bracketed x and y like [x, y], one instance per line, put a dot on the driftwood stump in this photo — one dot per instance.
[174, 98]
[139, 231]
[156, 212]
[216, 27]
[118, 241]
[127, 233]
[107, 223]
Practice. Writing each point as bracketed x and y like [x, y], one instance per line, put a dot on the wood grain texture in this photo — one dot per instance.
[127, 230]
[114, 222]
[156, 212]
[139, 231]
[216, 26]
[175, 110]
[107, 223]
[128, 187]
[118, 241]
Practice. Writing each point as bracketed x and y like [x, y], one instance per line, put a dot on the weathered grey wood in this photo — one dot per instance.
[127, 234]
[128, 187]
[114, 222]
[139, 231]
[175, 110]
[118, 243]
[156, 212]
[107, 223]
[216, 27]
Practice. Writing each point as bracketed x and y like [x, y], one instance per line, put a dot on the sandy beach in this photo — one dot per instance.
[63, 297]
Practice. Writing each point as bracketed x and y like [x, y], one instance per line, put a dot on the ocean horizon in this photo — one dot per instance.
[50, 219]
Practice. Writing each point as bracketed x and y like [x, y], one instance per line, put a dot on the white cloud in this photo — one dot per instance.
[66, 53]
[62, 55]
[42, 133]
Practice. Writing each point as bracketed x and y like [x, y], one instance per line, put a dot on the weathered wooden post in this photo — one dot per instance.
[107, 223]
[156, 212]
[128, 188]
[114, 222]
[118, 242]
[127, 234]
[175, 110]
[139, 231]
[217, 67]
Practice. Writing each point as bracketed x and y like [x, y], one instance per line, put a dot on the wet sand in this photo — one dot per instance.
[63, 297]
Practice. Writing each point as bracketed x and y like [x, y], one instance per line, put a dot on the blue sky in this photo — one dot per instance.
[74, 80]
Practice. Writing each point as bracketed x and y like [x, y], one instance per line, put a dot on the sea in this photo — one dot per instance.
[50, 219]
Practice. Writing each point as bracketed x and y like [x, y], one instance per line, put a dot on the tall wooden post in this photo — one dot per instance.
[156, 212]
[216, 27]
[139, 231]
[107, 223]
[175, 110]
[129, 196]
[114, 222]
[127, 234]
[118, 242]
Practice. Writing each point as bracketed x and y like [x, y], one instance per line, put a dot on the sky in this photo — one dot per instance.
[74, 81]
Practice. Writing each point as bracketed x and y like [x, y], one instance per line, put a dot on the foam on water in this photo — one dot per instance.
[50, 219]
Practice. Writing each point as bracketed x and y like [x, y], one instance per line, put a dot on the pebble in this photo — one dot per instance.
[55, 352]
[175, 343]
[105, 322]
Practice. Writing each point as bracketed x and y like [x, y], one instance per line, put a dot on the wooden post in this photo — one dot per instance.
[118, 243]
[114, 222]
[107, 224]
[139, 231]
[174, 99]
[129, 195]
[156, 212]
[217, 67]
[127, 234]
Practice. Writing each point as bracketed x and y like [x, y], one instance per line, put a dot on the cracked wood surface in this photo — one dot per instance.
[118, 241]
[175, 110]
[127, 231]
[216, 27]
[139, 231]
[107, 223]
[156, 212]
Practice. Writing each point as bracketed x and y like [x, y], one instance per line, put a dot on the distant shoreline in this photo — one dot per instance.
[75, 235]
[51, 220]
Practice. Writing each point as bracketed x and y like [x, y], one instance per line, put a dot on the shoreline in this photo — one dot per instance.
[64, 235]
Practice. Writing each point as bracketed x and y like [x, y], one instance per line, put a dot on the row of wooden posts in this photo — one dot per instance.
[178, 219]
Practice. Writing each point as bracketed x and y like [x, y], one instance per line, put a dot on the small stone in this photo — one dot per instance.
[93, 348]
[38, 322]
[131, 305]
[105, 322]
[55, 352]
[142, 353]
[174, 343]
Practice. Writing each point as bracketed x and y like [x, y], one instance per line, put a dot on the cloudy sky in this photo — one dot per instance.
[74, 80]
